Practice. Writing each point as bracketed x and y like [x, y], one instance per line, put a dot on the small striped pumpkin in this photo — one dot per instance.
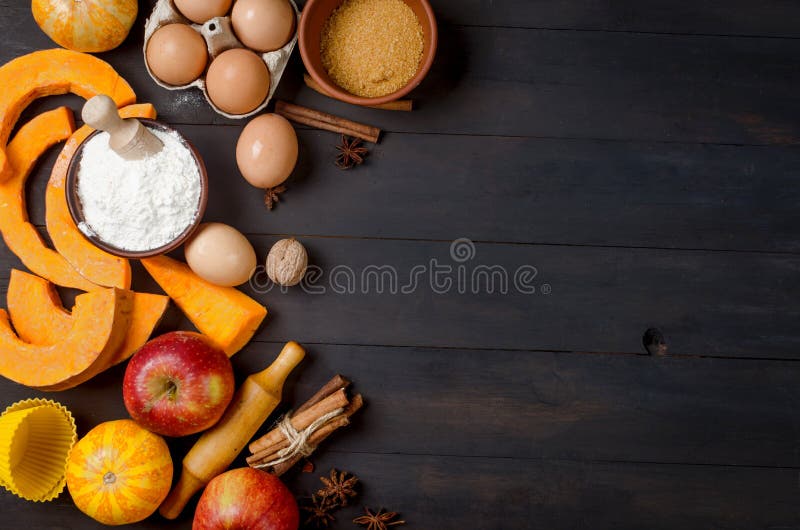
[86, 25]
[119, 473]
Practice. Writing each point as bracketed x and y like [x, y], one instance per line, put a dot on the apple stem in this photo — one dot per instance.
[170, 389]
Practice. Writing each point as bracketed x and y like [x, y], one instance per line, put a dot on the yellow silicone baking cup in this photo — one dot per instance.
[36, 436]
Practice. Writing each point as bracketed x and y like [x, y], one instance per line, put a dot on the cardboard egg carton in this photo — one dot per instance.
[219, 36]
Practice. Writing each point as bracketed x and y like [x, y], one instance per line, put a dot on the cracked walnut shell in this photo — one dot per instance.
[286, 262]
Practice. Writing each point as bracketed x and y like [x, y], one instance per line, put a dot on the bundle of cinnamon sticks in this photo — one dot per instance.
[331, 400]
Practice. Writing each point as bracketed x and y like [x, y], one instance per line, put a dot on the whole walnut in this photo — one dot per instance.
[286, 262]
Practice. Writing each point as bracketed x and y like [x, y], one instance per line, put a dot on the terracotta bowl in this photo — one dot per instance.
[316, 12]
[76, 209]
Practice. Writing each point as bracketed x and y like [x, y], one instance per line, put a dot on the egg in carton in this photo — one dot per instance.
[219, 37]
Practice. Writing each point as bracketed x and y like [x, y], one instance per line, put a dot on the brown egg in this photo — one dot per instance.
[263, 25]
[220, 254]
[237, 81]
[198, 11]
[176, 54]
[266, 152]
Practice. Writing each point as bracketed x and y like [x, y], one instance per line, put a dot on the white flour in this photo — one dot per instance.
[138, 204]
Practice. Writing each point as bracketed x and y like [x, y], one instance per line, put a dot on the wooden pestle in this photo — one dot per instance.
[221, 444]
[128, 138]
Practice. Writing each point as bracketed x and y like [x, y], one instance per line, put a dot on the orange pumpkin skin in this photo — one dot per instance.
[87, 25]
[119, 472]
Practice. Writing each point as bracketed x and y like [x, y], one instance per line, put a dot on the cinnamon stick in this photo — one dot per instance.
[355, 404]
[303, 419]
[272, 450]
[398, 104]
[338, 381]
[325, 121]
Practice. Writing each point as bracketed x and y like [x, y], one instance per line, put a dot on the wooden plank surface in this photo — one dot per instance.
[641, 404]
[517, 82]
[532, 405]
[584, 299]
[454, 492]
[642, 157]
[514, 189]
[520, 82]
[737, 17]
[770, 18]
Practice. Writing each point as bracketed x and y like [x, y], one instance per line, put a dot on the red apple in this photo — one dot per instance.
[246, 499]
[178, 384]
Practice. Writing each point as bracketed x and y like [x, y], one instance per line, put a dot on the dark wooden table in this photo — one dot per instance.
[643, 158]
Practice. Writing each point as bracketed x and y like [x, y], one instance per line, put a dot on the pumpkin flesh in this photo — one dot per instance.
[147, 312]
[101, 319]
[21, 237]
[47, 73]
[35, 309]
[227, 316]
[40, 318]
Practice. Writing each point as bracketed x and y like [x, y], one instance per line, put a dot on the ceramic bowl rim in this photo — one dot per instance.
[76, 211]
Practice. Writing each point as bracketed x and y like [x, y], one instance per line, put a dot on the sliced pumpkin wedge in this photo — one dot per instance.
[40, 318]
[50, 72]
[94, 264]
[35, 309]
[227, 316]
[148, 309]
[21, 237]
[100, 323]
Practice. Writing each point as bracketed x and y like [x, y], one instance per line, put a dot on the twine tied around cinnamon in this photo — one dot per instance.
[300, 432]
[298, 440]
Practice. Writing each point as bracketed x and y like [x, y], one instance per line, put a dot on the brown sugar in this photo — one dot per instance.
[372, 47]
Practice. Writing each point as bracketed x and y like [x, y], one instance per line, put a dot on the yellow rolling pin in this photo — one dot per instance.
[221, 444]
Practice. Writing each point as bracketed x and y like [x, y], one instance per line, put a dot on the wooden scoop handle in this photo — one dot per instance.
[128, 138]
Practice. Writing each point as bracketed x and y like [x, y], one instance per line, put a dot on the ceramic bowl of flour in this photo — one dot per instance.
[137, 209]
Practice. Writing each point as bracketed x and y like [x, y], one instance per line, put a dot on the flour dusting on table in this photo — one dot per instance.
[138, 205]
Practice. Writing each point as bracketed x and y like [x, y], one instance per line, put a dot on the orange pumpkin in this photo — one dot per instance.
[88, 25]
[119, 472]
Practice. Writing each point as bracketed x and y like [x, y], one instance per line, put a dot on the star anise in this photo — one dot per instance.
[319, 513]
[272, 195]
[351, 153]
[339, 487]
[377, 521]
